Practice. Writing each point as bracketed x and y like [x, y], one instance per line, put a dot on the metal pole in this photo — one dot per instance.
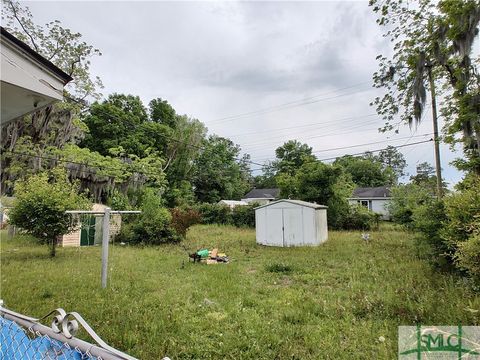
[436, 139]
[105, 241]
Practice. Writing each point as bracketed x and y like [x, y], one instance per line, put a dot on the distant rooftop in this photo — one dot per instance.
[296, 202]
[263, 194]
[372, 192]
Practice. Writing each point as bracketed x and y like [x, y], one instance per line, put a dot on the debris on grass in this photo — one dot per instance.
[209, 257]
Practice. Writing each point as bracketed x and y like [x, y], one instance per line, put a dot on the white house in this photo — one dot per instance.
[29, 82]
[261, 196]
[291, 223]
[375, 199]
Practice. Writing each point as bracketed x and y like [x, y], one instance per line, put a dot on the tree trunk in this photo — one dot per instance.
[53, 248]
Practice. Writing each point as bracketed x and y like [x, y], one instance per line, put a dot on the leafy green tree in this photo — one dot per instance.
[291, 156]
[219, 172]
[162, 112]
[63, 47]
[364, 172]
[40, 205]
[393, 162]
[432, 44]
[321, 183]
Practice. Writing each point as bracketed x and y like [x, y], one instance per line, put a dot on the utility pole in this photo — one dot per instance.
[436, 139]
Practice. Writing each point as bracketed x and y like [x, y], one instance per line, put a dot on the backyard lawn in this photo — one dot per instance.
[342, 300]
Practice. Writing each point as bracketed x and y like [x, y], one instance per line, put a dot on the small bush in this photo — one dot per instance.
[182, 219]
[214, 213]
[153, 225]
[359, 218]
[468, 256]
[40, 205]
[244, 216]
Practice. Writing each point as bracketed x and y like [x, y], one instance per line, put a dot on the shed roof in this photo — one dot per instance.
[296, 202]
[262, 194]
[372, 192]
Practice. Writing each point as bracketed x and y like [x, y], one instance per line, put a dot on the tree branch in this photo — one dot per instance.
[23, 27]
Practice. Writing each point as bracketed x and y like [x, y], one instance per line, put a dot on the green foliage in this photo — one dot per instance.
[365, 172]
[182, 219]
[291, 156]
[214, 213]
[321, 183]
[468, 255]
[244, 216]
[462, 211]
[40, 205]
[405, 199]
[433, 43]
[219, 173]
[358, 218]
[153, 226]
[63, 47]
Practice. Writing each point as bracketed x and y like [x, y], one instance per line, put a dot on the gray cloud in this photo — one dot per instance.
[216, 59]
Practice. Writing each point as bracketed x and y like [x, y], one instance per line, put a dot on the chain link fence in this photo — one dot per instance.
[25, 338]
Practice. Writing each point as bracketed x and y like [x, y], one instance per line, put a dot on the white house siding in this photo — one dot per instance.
[376, 205]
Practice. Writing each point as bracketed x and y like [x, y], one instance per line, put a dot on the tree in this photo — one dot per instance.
[40, 205]
[364, 172]
[219, 172]
[63, 47]
[393, 160]
[432, 46]
[321, 183]
[162, 112]
[291, 156]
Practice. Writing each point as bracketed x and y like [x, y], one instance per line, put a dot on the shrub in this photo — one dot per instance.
[462, 213]
[152, 226]
[182, 219]
[359, 218]
[244, 216]
[468, 256]
[40, 205]
[428, 220]
[405, 199]
[215, 213]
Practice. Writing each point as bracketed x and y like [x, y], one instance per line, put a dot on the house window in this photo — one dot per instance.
[365, 203]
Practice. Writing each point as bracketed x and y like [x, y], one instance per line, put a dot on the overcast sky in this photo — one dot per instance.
[216, 60]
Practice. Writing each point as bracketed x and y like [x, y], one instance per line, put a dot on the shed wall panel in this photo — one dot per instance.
[274, 227]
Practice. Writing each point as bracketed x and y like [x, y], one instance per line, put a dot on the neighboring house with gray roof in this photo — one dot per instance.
[261, 196]
[375, 199]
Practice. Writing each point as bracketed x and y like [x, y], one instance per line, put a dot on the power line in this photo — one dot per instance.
[290, 104]
[377, 150]
[304, 125]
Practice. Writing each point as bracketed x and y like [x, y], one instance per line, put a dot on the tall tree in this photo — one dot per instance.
[393, 161]
[219, 172]
[363, 171]
[432, 46]
[291, 156]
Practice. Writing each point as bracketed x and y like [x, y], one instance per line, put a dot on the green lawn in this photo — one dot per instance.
[330, 302]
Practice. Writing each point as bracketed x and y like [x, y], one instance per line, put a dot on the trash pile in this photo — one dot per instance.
[209, 257]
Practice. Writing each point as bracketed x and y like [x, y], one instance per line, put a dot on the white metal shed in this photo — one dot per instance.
[291, 223]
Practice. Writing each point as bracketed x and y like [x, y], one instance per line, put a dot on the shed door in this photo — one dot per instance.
[274, 224]
[293, 227]
[87, 233]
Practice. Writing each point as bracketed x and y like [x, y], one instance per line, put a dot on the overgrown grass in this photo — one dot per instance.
[330, 302]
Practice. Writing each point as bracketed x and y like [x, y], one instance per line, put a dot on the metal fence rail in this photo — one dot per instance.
[23, 337]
